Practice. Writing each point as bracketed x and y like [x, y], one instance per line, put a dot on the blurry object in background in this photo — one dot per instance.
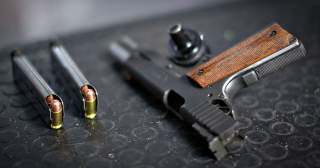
[187, 45]
[25, 21]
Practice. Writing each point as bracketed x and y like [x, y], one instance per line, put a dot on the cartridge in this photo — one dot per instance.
[36, 90]
[86, 96]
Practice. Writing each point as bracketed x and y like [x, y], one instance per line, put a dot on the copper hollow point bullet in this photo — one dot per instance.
[56, 109]
[90, 99]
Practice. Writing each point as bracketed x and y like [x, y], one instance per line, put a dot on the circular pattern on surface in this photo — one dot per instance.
[44, 143]
[257, 137]
[282, 128]
[229, 162]
[308, 100]
[158, 148]
[171, 124]
[305, 120]
[59, 159]
[120, 105]
[130, 120]
[86, 150]
[313, 158]
[8, 136]
[99, 163]
[244, 123]
[75, 135]
[310, 81]
[286, 107]
[130, 157]
[108, 125]
[249, 161]
[25, 163]
[143, 166]
[155, 114]
[316, 132]
[5, 122]
[264, 114]
[292, 164]
[15, 151]
[104, 113]
[235, 146]
[145, 133]
[11, 90]
[37, 127]
[291, 87]
[300, 143]
[28, 114]
[269, 95]
[171, 161]
[19, 102]
[117, 141]
[247, 101]
[274, 152]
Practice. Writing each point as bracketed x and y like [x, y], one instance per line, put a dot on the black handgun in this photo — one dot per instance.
[202, 97]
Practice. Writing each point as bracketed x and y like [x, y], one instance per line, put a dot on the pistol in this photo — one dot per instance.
[203, 96]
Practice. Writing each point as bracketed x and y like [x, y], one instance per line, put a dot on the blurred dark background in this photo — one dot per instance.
[25, 21]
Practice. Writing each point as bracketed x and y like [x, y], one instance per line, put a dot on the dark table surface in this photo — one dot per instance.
[279, 116]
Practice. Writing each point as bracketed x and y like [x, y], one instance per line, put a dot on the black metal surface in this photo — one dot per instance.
[279, 115]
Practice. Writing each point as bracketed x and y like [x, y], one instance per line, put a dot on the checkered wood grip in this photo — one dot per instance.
[242, 55]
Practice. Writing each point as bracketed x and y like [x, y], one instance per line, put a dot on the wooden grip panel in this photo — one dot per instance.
[242, 55]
